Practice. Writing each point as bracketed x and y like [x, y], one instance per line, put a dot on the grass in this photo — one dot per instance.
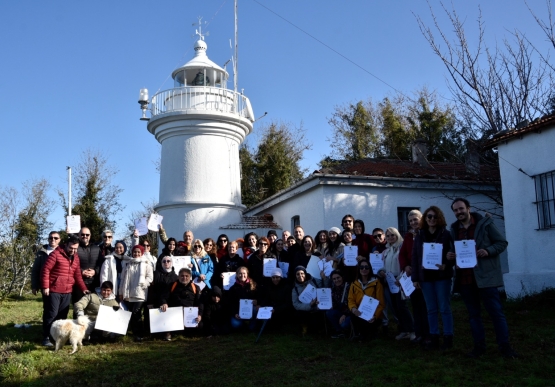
[283, 358]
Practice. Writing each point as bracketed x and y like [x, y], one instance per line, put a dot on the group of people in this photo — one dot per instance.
[88, 276]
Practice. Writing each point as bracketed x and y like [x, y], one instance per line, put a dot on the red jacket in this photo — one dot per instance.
[405, 254]
[365, 243]
[60, 272]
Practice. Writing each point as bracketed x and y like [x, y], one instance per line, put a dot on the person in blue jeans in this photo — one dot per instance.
[480, 284]
[339, 316]
[434, 282]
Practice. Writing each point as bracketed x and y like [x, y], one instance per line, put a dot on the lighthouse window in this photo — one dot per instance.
[179, 79]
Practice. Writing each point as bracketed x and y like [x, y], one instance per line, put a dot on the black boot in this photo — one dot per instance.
[447, 342]
[433, 343]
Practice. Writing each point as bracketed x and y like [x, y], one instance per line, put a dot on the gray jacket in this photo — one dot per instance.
[487, 236]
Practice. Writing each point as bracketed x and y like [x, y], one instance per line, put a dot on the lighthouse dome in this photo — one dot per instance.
[200, 71]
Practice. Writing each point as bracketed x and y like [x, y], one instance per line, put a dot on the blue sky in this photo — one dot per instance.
[70, 72]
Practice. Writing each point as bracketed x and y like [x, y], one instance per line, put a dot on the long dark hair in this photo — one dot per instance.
[317, 239]
[166, 250]
[371, 272]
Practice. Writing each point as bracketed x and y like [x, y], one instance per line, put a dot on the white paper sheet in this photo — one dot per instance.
[350, 254]
[325, 266]
[376, 260]
[312, 268]
[368, 307]
[245, 309]
[111, 321]
[154, 221]
[229, 280]
[170, 320]
[199, 283]
[466, 253]
[323, 296]
[406, 284]
[73, 224]
[141, 226]
[270, 265]
[432, 256]
[284, 266]
[390, 278]
[180, 262]
[189, 317]
[264, 313]
[308, 294]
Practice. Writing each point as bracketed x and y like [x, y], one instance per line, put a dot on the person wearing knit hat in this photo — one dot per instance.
[335, 230]
[277, 273]
[272, 236]
[139, 247]
[277, 295]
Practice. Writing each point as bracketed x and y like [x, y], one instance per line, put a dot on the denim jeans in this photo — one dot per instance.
[438, 299]
[472, 297]
[333, 316]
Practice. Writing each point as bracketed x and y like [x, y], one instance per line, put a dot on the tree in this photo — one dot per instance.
[97, 197]
[23, 225]
[494, 89]
[275, 164]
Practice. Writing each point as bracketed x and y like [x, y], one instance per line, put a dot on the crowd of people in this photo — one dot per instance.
[85, 276]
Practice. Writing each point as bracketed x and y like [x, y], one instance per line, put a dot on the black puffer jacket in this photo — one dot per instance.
[183, 295]
[161, 286]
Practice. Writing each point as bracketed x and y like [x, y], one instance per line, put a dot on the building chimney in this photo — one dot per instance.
[472, 158]
[420, 153]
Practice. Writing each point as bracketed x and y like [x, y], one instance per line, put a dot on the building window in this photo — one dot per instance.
[295, 221]
[402, 218]
[545, 199]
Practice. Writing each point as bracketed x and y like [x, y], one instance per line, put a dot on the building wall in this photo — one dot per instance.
[531, 251]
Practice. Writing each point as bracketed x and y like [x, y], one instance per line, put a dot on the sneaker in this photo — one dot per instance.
[168, 337]
[508, 352]
[476, 352]
[46, 343]
[412, 336]
[416, 340]
[402, 335]
[338, 336]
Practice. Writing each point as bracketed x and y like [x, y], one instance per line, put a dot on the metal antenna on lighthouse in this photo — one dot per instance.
[199, 30]
[235, 69]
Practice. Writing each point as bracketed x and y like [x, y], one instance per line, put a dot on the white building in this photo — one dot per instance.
[200, 124]
[527, 166]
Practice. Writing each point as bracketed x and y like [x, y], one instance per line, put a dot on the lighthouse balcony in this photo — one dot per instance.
[201, 99]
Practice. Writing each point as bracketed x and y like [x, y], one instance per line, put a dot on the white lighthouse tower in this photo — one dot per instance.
[200, 124]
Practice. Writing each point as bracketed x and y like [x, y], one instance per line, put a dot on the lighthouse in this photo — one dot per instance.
[200, 124]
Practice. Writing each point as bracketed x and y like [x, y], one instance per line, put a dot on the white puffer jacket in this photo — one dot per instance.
[136, 277]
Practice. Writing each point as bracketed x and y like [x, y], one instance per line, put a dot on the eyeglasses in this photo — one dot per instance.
[378, 235]
[263, 244]
[430, 216]
[365, 268]
[347, 221]
[53, 238]
[166, 261]
[85, 234]
[223, 240]
[197, 246]
[146, 245]
[108, 237]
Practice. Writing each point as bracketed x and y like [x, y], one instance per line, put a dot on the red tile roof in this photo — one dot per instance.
[537, 125]
[253, 222]
[407, 169]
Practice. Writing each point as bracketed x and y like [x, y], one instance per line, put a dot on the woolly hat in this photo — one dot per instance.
[272, 232]
[277, 272]
[140, 248]
[300, 268]
[216, 291]
[335, 230]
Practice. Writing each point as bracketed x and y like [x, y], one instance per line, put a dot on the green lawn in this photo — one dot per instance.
[283, 358]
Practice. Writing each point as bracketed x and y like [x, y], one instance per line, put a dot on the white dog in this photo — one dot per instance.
[74, 330]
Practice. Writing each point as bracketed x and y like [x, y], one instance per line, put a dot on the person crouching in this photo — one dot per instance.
[89, 305]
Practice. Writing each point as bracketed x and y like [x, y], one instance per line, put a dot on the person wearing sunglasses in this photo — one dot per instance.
[105, 246]
[366, 284]
[221, 246]
[435, 284]
[164, 278]
[203, 268]
[91, 259]
[256, 261]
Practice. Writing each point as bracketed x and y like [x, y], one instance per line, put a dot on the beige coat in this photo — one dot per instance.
[136, 277]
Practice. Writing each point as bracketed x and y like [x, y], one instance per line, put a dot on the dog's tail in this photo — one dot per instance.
[83, 320]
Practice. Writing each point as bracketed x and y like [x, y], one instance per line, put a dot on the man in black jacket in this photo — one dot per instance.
[91, 260]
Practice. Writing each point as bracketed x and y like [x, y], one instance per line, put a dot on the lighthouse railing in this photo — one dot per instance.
[195, 99]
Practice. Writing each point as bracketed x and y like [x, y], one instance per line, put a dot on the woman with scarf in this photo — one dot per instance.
[136, 277]
[113, 265]
[244, 288]
[339, 316]
[394, 300]
[202, 267]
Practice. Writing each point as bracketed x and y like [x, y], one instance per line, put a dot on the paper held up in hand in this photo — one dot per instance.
[269, 265]
[312, 267]
[245, 309]
[390, 278]
[284, 266]
[350, 254]
[376, 260]
[190, 315]
[201, 284]
[325, 266]
[154, 221]
[466, 253]
[170, 320]
[324, 298]
[180, 262]
[113, 321]
[264, 313]
[141, 226]
[73, 224]
[368, 307]
[228, 280]
[432, 256]
[308, 294]
[406, 284]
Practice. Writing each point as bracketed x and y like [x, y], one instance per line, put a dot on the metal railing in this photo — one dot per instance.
[200, 98]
